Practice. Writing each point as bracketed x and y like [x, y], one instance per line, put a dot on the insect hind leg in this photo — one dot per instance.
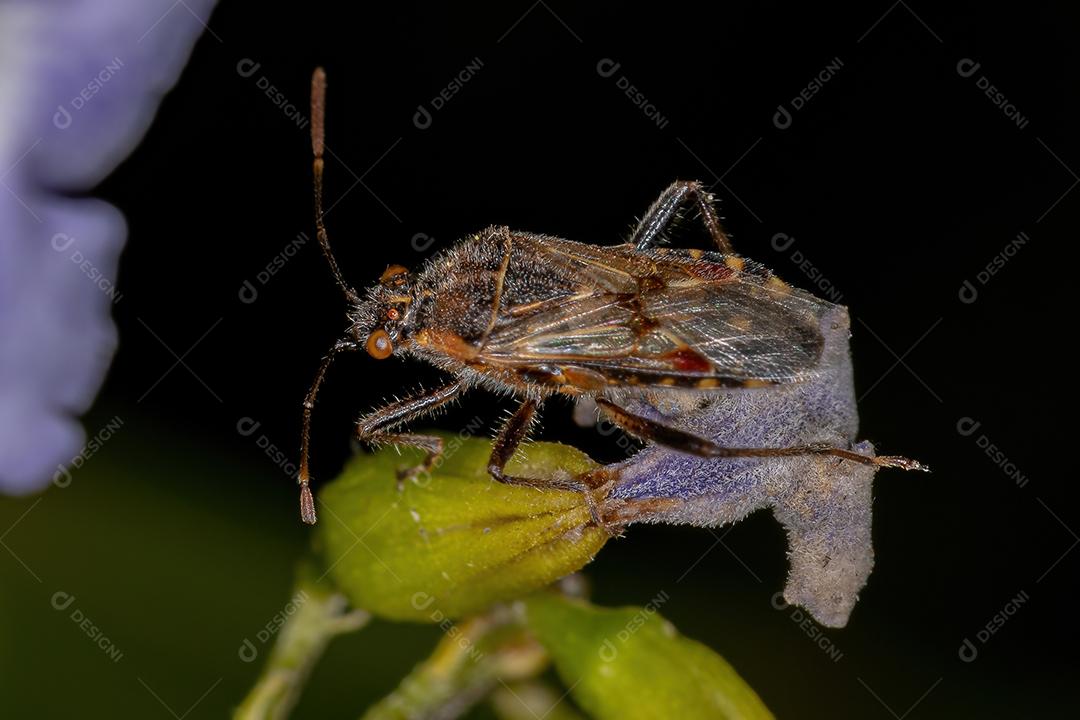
[650, 430]
[649, 231]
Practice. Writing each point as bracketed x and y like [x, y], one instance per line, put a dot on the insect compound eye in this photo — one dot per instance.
[378, 345]
[395, 276]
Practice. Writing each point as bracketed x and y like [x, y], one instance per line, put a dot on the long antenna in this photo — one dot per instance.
[318, 135]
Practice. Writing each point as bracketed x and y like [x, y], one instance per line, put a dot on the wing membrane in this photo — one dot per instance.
[665, 314]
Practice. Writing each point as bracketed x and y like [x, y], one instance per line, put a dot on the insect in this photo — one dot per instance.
[535, 316]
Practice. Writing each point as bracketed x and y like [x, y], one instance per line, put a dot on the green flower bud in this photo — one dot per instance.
[453, 541]
[630, 663]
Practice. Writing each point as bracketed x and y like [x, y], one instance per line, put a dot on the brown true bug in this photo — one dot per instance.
[535, 316]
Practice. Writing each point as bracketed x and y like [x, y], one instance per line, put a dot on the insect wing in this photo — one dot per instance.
[744, 330]
[664, 317]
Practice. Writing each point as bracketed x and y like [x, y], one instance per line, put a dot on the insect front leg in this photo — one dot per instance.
[676, 439]
[510, 436]
[378, 426]
[650, 230]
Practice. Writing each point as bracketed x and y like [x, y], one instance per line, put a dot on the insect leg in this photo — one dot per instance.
[625, 512]
[506, 443]
[649, 231]
[676, 439]
[665, 435]
[510, 436]
[377, 427]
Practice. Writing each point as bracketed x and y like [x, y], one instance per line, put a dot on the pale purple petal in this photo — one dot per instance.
[824, 503]
[79, 84]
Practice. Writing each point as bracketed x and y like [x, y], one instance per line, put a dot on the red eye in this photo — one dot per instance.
[378, 345]
[393, 314]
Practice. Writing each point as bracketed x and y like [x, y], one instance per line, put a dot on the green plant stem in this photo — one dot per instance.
[466, 665]
[321, 616]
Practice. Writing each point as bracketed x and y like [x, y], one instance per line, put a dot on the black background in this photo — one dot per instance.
[899, 180]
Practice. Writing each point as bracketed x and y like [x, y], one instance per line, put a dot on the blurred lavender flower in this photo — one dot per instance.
[80, 81]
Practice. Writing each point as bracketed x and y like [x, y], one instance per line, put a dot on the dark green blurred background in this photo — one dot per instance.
[899, 179]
